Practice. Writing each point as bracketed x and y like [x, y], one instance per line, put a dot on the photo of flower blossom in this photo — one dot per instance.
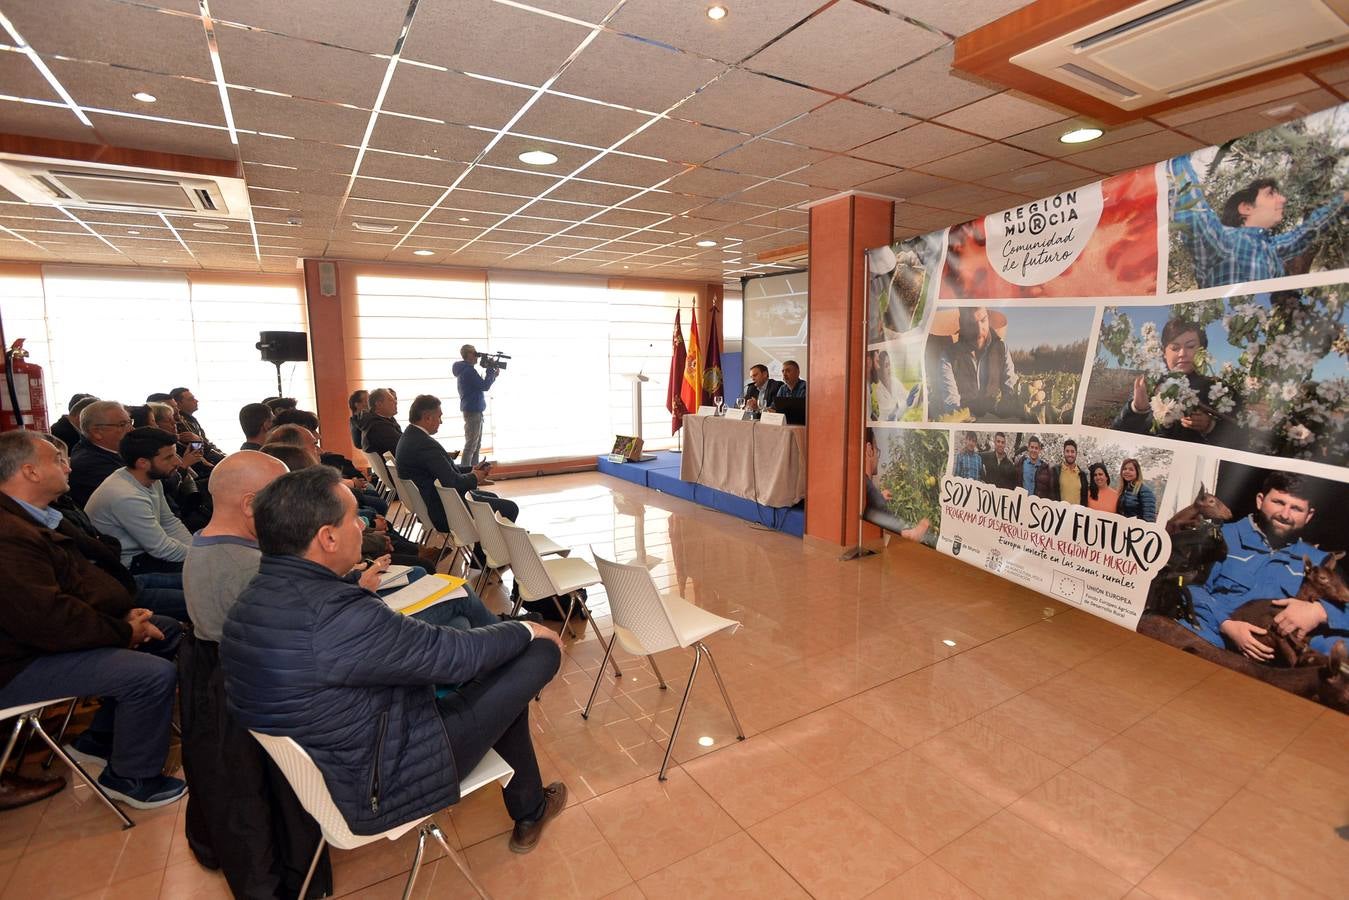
[1267, 373]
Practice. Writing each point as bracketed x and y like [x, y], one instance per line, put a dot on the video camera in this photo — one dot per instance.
[493, 360]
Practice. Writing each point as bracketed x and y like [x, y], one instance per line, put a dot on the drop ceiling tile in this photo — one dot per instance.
[981, 162]
[127, 220]
[662, 202]
[570, 242]
[955, 17]
[361, 207]
[34, 229]
[255, 148]
[299, 68]
[503, 181]
[477, 36]
[577, 121]
[750, 25]
[512, 236]
[1260, 95]
[603, 232]
[55, 122]
[683, 142]
[842, 125]
[910, 215]
[744, 101]
[905, 184]
[452, 217]
[122, 131]
[371, 25]
[1137, 152]
[729, 211]
[298, 180]
[1045, 140]
[768, 158]
[556, 209]
[215, 239]
[451, 142]
[633, 73]
[576, 191]
[472, 203]
[926, 87]
[1222, 128]
[453, 97]
[970, 199]
[782, 218]
[539, 226]
[845, 46]
[919, 144]
[780, 194]
[505, 154]
[1001, 115]
[711, 183]
[305, 119]
[117, 33]
[396, 191]
[22, 79]
[841, 173]
[630, 170]
[1035, 179]
[1333, 73]
[410, 168]
[346, 231]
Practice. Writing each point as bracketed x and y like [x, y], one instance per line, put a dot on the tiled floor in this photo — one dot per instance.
[916, 728]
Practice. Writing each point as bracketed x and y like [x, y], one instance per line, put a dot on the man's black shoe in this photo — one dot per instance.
[522, 617]
[526, 835]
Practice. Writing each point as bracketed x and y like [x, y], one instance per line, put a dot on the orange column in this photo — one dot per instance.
[840, 231]
[327, 344]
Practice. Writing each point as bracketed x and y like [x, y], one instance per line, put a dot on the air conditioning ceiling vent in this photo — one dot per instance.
[89, 185]
[1162, 49]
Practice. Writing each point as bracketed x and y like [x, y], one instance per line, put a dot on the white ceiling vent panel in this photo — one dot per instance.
[89, 185]
[1160, 49]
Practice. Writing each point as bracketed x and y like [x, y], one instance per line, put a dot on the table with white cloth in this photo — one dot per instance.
[763, 463]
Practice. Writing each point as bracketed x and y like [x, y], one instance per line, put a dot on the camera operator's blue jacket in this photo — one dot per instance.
[472, 386]
[309, 656]
[1255, 571]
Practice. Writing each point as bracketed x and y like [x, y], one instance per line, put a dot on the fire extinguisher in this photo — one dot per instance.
[24, 389]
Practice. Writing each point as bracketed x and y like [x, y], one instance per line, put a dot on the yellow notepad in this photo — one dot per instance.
[426, 593]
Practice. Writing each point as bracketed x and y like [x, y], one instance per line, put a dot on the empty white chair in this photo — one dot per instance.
[377, 465]
[646, 622]
[463, 532]
[30, 713]
[498, 556]
[307, 781]
[412, 498]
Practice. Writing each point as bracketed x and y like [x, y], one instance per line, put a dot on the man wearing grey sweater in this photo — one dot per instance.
[130, 506]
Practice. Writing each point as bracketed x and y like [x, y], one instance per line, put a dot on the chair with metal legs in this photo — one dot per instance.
[31, 713]
[645, 622]
[463, 532]
[403, 518]
[307, 781]
[412, 497]
[497, 555]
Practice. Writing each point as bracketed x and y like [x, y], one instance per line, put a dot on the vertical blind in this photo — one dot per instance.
[124, 334]
[573, 343]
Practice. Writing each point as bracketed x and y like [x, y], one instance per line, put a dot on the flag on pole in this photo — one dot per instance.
[673, 402]
[712, 380]
[692, 389]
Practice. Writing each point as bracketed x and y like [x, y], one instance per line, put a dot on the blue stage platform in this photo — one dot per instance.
[662, 474]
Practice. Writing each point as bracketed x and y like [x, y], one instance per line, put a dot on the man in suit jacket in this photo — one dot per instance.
[423, 461]
[761, 390]
[382, 432]
[103, 425]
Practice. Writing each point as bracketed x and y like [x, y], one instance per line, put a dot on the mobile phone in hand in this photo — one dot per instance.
[196, 446]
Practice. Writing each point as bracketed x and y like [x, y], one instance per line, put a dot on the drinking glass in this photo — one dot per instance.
[720, 402]
[739, 402]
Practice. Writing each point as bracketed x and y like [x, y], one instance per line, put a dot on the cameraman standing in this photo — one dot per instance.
[472, 403]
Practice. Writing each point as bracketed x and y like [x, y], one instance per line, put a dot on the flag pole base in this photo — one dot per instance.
[856, 553]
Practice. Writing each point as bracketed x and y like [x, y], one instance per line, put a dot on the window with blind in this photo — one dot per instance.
[574, 345]
[124, 334]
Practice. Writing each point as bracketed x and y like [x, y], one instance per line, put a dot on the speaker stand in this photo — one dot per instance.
[279, 392]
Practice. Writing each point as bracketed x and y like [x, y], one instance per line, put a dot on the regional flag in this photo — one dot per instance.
[692, 389]
[673, 402]
[712, 380]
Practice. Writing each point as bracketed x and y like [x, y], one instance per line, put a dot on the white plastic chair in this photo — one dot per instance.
[307, 781]
[494, 549]
[540, 578]
[412, 498]
[31, 713]
[645, 622]
[463, 532]
[377, 464]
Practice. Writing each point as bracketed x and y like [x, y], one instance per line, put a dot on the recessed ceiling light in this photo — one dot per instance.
[144, 97]
[707, 243]
[538, 158]
[133, 232]
[705, 741]
[1080, 135]
[463, 218]
[377, 227]
[949, 643]
[211, 226]
[423, 253]
[716, 13]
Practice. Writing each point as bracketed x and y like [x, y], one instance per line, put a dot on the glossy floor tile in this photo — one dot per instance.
[915, 728]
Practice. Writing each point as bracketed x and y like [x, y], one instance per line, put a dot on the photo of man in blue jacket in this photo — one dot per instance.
[311, 656]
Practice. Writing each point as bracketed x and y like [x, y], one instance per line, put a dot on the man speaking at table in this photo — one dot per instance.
[761, 390]
[472, 399]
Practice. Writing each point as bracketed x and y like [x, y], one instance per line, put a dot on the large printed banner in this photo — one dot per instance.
[1132, 397]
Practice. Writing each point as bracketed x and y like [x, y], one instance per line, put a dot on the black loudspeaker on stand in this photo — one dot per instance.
[279, 347]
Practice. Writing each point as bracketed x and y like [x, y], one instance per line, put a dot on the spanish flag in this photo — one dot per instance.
[673, 402]
[691, 391]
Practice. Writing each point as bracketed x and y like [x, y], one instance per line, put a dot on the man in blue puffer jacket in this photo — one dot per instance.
[325, 662]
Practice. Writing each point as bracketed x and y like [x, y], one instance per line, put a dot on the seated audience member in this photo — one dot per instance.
[187, 408]
[186, 492]
[67, 428]
[141, 416]
[95, 457]
[70, 628]
[315, 658]
[130, 507]
[256, 420]
[423, 461]
[242, 817]
[382, 430]
[278, 404]
[359, 404]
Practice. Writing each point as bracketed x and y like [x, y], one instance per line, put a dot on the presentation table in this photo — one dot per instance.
[763, 463]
